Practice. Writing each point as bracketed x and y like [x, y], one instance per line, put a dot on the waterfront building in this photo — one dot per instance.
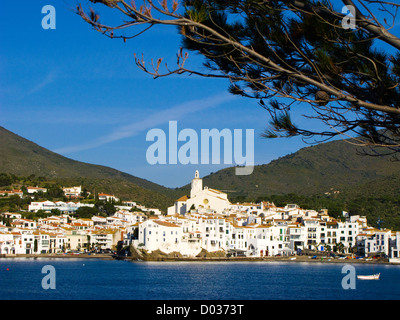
[155, 234]
[104, 238]
[395, 247]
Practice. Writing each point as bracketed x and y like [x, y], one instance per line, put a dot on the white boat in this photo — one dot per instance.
[369, 277]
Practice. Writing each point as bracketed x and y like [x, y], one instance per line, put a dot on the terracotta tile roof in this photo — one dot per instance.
[166, 224]
[183, 198]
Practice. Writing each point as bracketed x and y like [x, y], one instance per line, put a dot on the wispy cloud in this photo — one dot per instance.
[150, 122]
[49, 78]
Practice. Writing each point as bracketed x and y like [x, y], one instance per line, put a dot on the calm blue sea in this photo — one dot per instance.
[91, 279]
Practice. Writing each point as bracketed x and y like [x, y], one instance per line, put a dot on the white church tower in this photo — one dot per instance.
[203, 199]
[197, 185]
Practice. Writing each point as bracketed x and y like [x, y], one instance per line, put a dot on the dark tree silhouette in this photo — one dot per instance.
[340, 59]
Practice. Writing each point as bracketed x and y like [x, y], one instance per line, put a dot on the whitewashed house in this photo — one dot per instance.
[347, 234]
[7, 244]
[395, 248]
[105, 238]
[73, 192]
[36, 189]
[155, 234]
[107, 197]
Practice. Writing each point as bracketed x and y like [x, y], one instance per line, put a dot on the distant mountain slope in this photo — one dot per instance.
[311, 170]
[20, 156]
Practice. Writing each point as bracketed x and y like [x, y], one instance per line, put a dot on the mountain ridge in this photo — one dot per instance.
[318, 169]
[20, 156]
[311, 170]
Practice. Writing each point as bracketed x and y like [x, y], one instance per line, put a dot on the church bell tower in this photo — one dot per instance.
[197, 185]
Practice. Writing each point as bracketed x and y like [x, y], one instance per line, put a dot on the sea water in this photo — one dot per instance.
[92, 279]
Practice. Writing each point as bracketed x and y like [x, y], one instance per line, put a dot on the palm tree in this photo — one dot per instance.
[340, 247]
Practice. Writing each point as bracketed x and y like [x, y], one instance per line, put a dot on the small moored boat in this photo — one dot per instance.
[369, 277]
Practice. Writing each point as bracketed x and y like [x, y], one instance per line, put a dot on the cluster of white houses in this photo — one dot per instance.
[69, 192]
[63, 233]
[203, 220]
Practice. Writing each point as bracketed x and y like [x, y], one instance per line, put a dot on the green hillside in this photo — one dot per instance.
[313, 170]
[22, 157]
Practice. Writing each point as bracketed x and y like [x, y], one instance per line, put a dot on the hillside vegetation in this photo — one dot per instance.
[24, 158]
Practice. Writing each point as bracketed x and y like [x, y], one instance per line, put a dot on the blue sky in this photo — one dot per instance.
[78, 93]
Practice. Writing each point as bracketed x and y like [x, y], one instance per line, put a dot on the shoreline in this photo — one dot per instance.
[293, 259]
[59, 256]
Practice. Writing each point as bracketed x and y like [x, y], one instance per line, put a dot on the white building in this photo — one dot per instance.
[347, 234]
[67, 207]
[11, 215]
[9, 193]
[156, 234]
[107, 197]
[200, 198]
[105, 238]
[73, 192]
[7, 245]
[395, 247]
[36, 189]
[378, 242]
